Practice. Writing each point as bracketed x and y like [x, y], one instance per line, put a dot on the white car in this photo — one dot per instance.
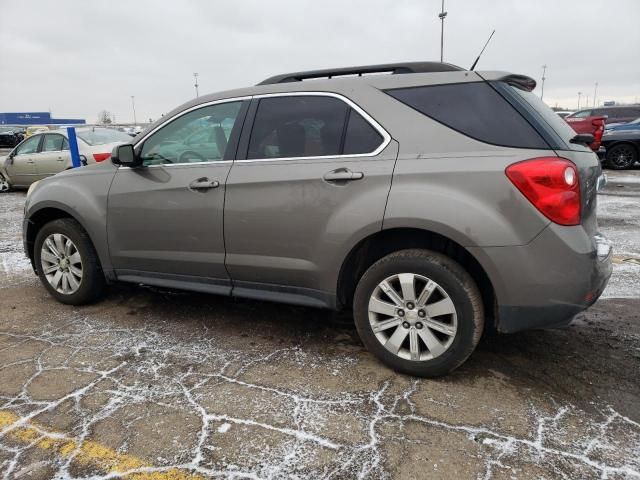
[45, 154]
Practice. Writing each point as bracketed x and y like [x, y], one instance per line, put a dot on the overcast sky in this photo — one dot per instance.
[77, 57]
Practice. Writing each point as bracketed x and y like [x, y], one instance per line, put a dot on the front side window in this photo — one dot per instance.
[473, 109]
[52, 143]
[29, 146]
[298, 126]
[198, 136]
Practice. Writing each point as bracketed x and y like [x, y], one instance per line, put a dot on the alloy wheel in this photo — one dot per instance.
[622, 156]
[61, 263]
[412, 316]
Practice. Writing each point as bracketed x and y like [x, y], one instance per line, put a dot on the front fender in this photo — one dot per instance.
[81, 194]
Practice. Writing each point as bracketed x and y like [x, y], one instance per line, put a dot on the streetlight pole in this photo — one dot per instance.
[595, 91]
[579, 95]
[133, 106]
[195, 77]
[544, 70]
[441, 16]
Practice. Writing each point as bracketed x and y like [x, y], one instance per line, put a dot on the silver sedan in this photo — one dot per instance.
[47, 153]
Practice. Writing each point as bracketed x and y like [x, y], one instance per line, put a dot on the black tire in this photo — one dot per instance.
[622, 156]
[453, 279]
[92, 285]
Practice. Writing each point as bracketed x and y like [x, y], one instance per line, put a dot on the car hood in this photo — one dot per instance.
[89, 169]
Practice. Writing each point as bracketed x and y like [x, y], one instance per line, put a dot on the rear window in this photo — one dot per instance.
[103, 135]
[474, 109]
[557, 131]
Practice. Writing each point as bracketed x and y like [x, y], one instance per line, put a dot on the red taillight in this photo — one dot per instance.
[552, 185]
[100, 157]
[597, 133]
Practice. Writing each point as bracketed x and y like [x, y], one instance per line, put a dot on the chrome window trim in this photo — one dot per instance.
[386, 138]
[138, 144]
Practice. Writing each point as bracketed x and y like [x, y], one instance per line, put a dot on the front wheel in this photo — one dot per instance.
[622, 156]
[67, 263]
[419, 312]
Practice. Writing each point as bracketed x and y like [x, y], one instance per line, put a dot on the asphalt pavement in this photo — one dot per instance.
[158, 384]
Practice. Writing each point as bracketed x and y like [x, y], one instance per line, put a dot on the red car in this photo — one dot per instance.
[593, 124]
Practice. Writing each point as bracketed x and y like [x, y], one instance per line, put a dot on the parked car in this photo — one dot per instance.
[590, 124]
[614, 114]
[45, 154]
[35, 129]
[621, 147]
[10, 136]
[564, 114]
[434, 202]
[629, 126]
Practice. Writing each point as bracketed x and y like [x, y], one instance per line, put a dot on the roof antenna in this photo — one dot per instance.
[482, 51]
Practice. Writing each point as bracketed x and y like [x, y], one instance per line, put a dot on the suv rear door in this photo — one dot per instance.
[54, 155]
[165, 218]
[314, 174]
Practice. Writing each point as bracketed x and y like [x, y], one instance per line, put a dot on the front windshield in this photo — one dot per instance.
[100, 136]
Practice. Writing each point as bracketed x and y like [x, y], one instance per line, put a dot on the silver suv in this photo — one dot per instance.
[433, 201]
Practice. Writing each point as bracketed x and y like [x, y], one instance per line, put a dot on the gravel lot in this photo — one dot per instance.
[152, 384]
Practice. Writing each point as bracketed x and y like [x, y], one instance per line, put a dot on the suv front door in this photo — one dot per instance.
[165, 218]
[314, 175]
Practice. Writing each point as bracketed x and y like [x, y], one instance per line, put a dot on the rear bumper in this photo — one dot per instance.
[547, 282]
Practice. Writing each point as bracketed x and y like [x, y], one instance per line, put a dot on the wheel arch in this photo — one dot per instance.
[377, 245]
[39, 218]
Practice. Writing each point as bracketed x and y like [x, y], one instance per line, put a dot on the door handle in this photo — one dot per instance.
[342, 175]
[203, 184]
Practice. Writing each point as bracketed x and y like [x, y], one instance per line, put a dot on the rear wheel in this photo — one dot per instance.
[419, 312]
[67, 263]
[622, 156]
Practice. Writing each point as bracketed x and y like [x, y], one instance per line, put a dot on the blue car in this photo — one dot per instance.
[632, 125]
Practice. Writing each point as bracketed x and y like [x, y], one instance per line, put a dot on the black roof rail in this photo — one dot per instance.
[394, 68]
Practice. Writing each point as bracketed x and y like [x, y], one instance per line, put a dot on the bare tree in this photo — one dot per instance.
[105, 117]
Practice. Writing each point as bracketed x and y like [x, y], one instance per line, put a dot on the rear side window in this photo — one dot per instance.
[297, 126]
[360, 137]
[52, 143]
[628, 112]
[309, 126]
[474, 109]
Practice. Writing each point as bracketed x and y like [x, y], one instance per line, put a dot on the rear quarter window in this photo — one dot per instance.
[474, 109]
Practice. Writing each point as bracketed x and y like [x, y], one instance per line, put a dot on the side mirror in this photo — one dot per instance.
[126, 156]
